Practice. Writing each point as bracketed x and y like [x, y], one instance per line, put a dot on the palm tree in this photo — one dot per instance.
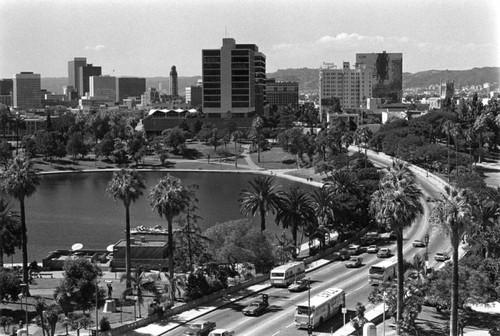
[416, 270]
[396, 204]
[169, 198]
[10, 230]
[126, 185]
[20, 181]
[296, 211]
[261, 197]
[257, 125]
[142, 282]
[448, 129]
[453, 215]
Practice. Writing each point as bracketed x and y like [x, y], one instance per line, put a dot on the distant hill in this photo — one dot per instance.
[475, 76]
[308, 79]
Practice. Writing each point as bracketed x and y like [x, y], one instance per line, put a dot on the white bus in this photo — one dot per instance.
[383, 271]
[323, 306]
[284, 275]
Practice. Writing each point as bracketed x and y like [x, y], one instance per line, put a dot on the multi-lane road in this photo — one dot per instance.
[279, 319]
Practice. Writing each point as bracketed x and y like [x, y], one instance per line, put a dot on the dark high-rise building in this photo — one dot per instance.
[130, 87]
[282, 94]
[6, 86]
[74, 73]
[84, 73]
[27, 90]
[174, 84]
[233, 79]
[387, 74]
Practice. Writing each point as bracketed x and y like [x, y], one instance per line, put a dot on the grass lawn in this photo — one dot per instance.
[275, 158]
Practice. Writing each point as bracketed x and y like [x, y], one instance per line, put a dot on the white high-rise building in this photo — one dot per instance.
[349, 87]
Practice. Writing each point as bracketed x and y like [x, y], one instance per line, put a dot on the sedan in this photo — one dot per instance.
[299, 285]
[372, 249]
[418, 243]
[354, 262]
[441, 256]
[384, 253]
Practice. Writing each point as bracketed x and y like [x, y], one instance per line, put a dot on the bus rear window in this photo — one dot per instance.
[277, 275]
[376, 270]
[302, 310]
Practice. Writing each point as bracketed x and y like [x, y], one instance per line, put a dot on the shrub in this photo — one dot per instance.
[104, 324]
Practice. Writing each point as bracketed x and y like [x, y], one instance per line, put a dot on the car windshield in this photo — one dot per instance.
[302, 310]
[277, 274]
[254, 304]
[376, 270]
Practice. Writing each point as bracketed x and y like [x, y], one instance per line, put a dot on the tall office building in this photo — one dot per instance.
[387, 74]
[84, 73]
[130, 87]
[6, 89]
[282, 94]
[350, 86]
[447, 89]
[74, 72]
[233, 80]
[27, 90]
[174, 84]
[103, 87]
[194, 95]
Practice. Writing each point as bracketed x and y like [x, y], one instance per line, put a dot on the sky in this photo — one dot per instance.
[146, 37]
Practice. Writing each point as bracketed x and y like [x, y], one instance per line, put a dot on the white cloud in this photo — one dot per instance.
[95, 48]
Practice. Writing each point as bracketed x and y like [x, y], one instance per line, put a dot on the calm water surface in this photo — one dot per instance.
[74, 208]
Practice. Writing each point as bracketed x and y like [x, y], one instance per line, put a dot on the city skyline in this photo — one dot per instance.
[146, 38]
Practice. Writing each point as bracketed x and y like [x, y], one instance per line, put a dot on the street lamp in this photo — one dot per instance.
[25, 288]
[96, 307]
[309, 327]
[426, 240]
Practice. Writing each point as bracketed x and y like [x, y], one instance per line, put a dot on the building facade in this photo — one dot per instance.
[233, 80]
[6, 91]
[282, 94]
[387, 74]
[346, 88]
[74, 72]
[447, 90]
[174, 83]
[103, 87]
[194, 95]
[130, 87]
[27, 92]
[84, 73]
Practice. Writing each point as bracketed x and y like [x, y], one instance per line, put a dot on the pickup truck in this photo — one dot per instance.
[221, 332]
[199, 328]
[257, 307]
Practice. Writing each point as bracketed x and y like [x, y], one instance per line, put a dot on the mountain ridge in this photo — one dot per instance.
[308, 78]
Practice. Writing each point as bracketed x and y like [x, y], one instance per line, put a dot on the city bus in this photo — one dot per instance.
[322, 307]
[284, 275]
[383, 271]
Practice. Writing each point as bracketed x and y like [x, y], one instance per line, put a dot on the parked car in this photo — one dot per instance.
[418, 243]
[299, 285]
[199, 328]
[257, 307]
[372, 249]
[221, 332]
[441, 256]
[384, 252]
[354, 249]
[354, 262]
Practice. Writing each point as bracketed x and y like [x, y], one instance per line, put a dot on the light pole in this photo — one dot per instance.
[96, 307]
[309, 327]
[25, 287]
[426, 240]
[384, 313]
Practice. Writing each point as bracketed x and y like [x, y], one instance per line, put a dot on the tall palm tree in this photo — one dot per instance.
[296, 211]
[448, 127]
[453, 215]
[396, 204]
[10, 230]
[169, 198]
[20, 181]
[261, 197]
[142, 283]
[127, 186]
[257, 125]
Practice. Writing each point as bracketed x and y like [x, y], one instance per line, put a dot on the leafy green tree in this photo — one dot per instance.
[78, 286]
[359, 320]
[143, 283]
[453, 214]
[10, 284]
[5, 153]
[76, 145]
[10, 231]
[136, 147]
[169, 198]
[396, 205]
[174, 137]
[296, 211]
[107, 146]
[127, 186]
[257, 125]
[262, 197]
[20, 181]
